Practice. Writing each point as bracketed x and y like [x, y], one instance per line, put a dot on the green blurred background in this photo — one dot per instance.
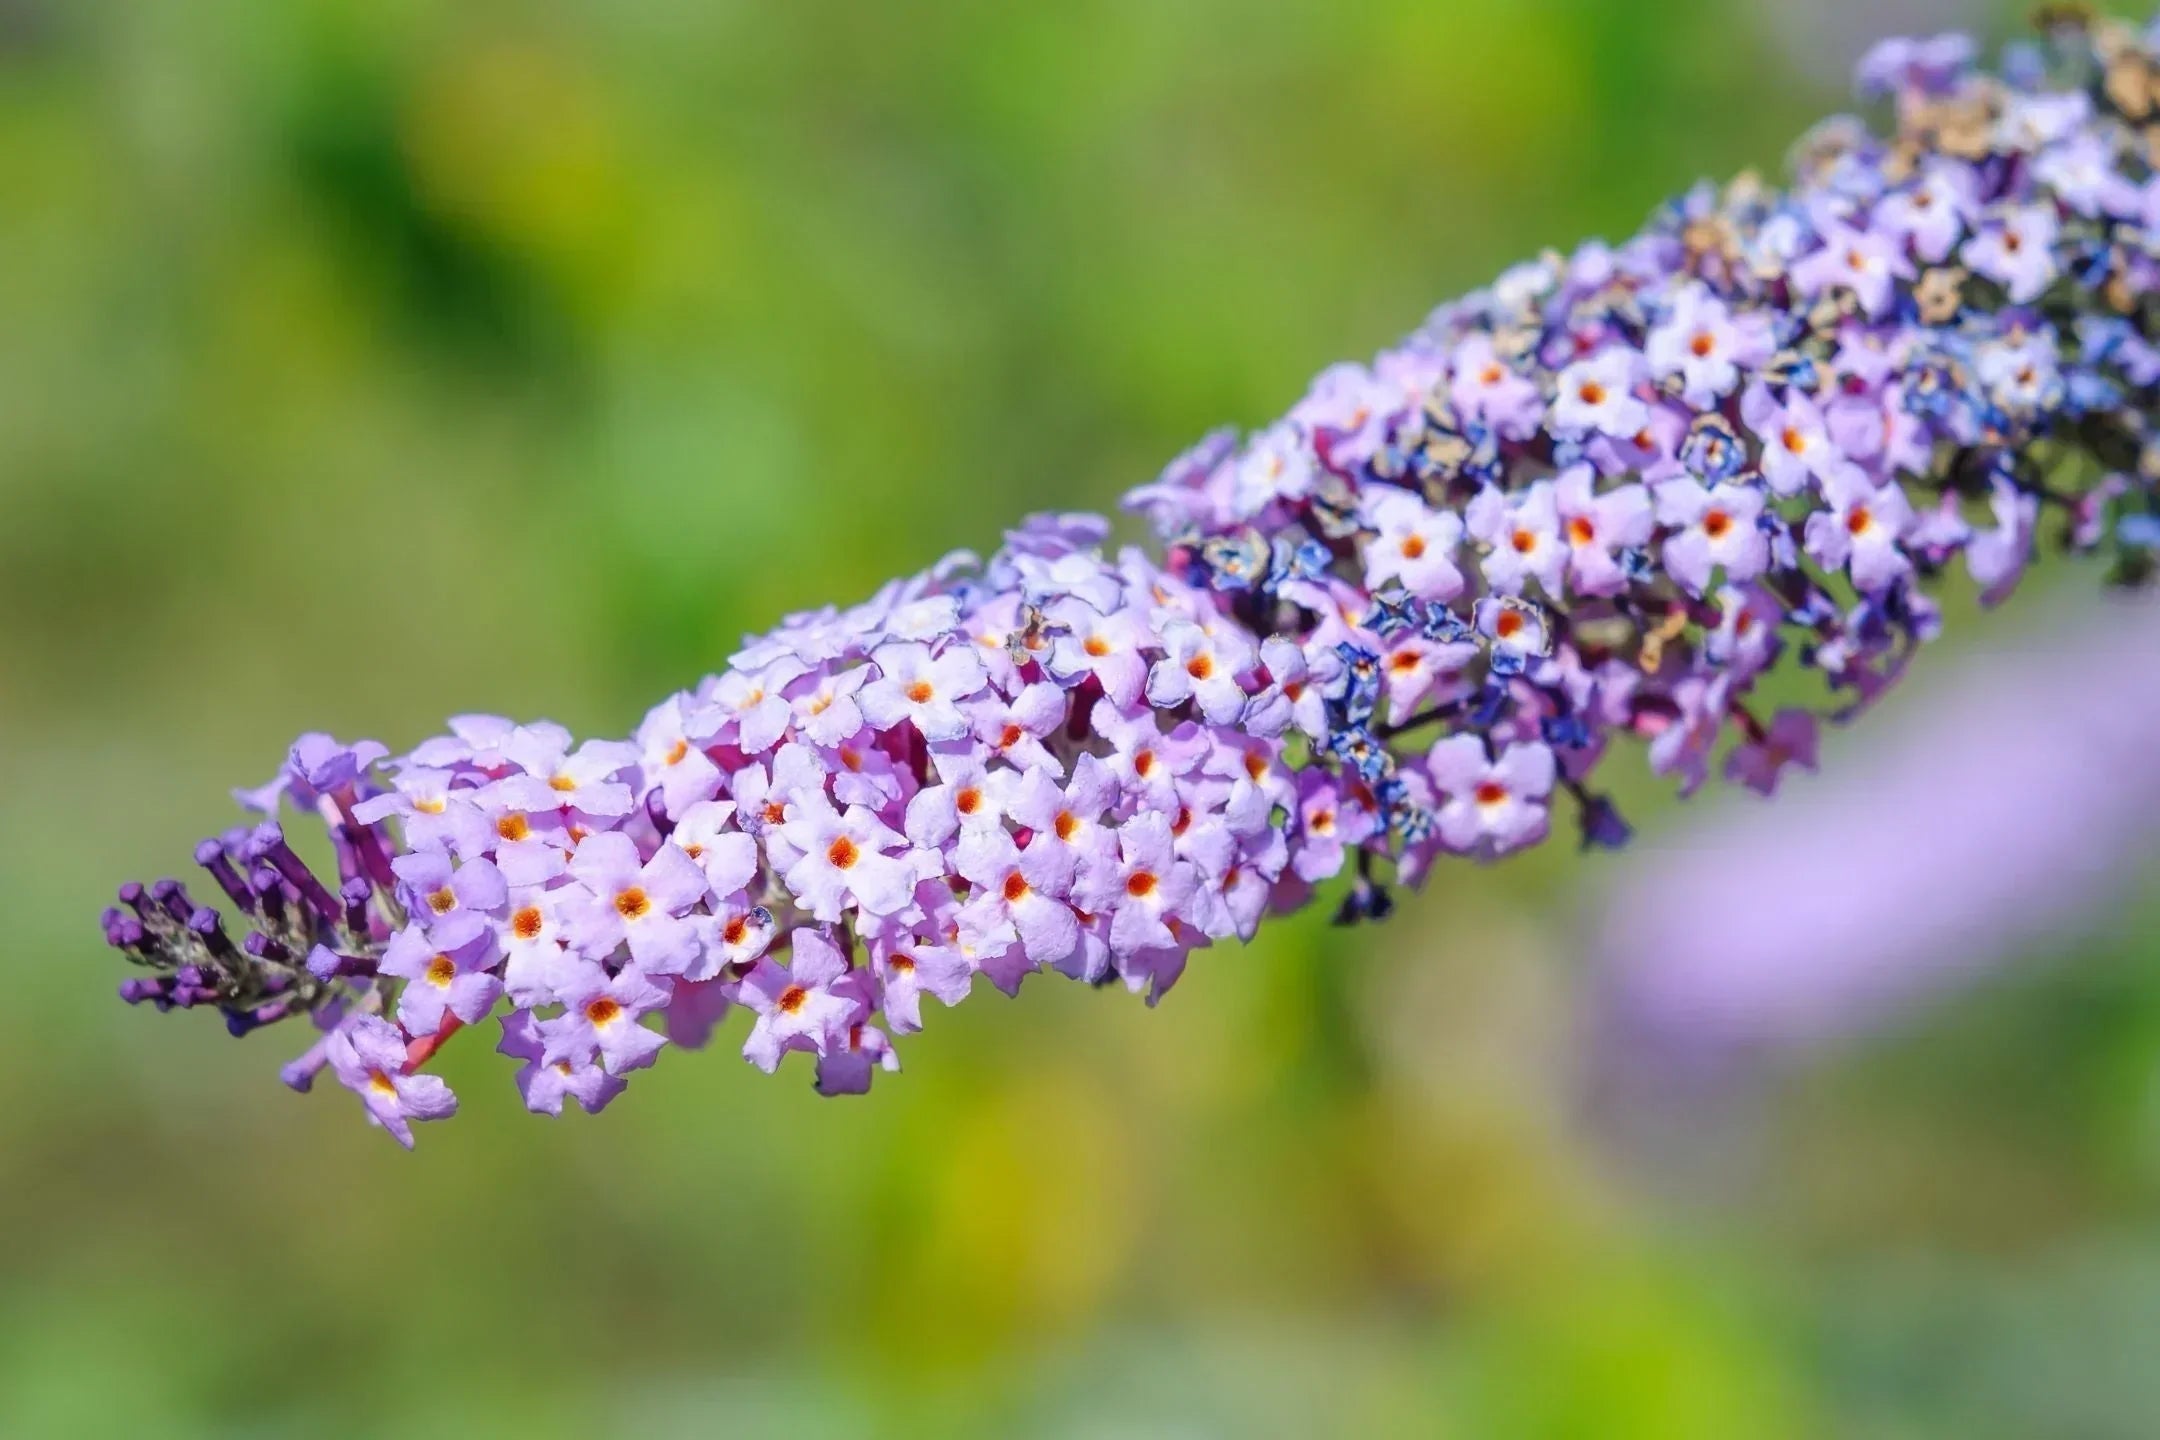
[366, 362]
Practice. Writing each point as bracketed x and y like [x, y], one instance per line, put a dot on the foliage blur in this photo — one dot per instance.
[366, 361]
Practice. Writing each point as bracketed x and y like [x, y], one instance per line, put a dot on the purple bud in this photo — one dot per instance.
[327, 964]
[137, 991]
[269, 844]
[356, 892]
[172, 897]
[210, 929]
[210, 854]
[262, 947]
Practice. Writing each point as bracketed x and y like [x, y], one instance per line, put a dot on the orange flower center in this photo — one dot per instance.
[1413, 547]
[1581, 531]
[1702, 344]
[632, 904]
[901, 964]
[1859, 520]
[1507, 623]
[842, 853]
[1066, 824]
[1716, 523]
[791, 999]
[602, 1011]
[441, 970]
[526, 923]
[442, 901]
[676, 752]
[735, 929]
[380, 1083]
[1201, 666]
[513, 827]
[1016, 888]
[431, 805]
[562, 784]
[968, 800]
[1096, 646]
[1591, 393]
[1524, 542]
[1140, 884]
[1492, 792]
[920, 692]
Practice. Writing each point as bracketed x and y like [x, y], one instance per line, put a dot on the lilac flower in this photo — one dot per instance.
[913, 685]
[1491, 804]
[1105, 646]
[1415, 546]
[1524, 536]
[1796, 444]
[554, 777]
[2016, 249]
[846, 861]
[1711, 527]
[1017, 889]
[368, 1057]
[909, 970]
[1597, 528]
[1861, 530]
[545, 1085]
[457, 981]
[1702, 346]
[1862, 262]
[600, 1016]
[642, 904]
[1203, 667]
[455, 902]
[797, 1007]
[1930, 213]
[1597, 396]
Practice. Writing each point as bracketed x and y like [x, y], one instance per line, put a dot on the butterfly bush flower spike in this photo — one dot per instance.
[1397, 629]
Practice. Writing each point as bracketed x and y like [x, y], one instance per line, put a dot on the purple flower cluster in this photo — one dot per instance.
[1599, 499]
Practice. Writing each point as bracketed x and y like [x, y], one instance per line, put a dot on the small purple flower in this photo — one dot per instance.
[798, 1006]
[1415, 546]
[456, 981]
[1203, 667]
[642, 904]
[1492, 805]
[1597, 396]
[454, 902]
[545, 1085]
[1712, 527]
[1861, 530]
[845, 861]
[2016, 249]
[925, 690]
[368, 1056]
[600, 1016]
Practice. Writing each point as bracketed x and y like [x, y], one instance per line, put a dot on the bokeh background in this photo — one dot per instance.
[365, 361]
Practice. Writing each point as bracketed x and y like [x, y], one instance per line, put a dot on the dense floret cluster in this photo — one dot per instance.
[1595, 501]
